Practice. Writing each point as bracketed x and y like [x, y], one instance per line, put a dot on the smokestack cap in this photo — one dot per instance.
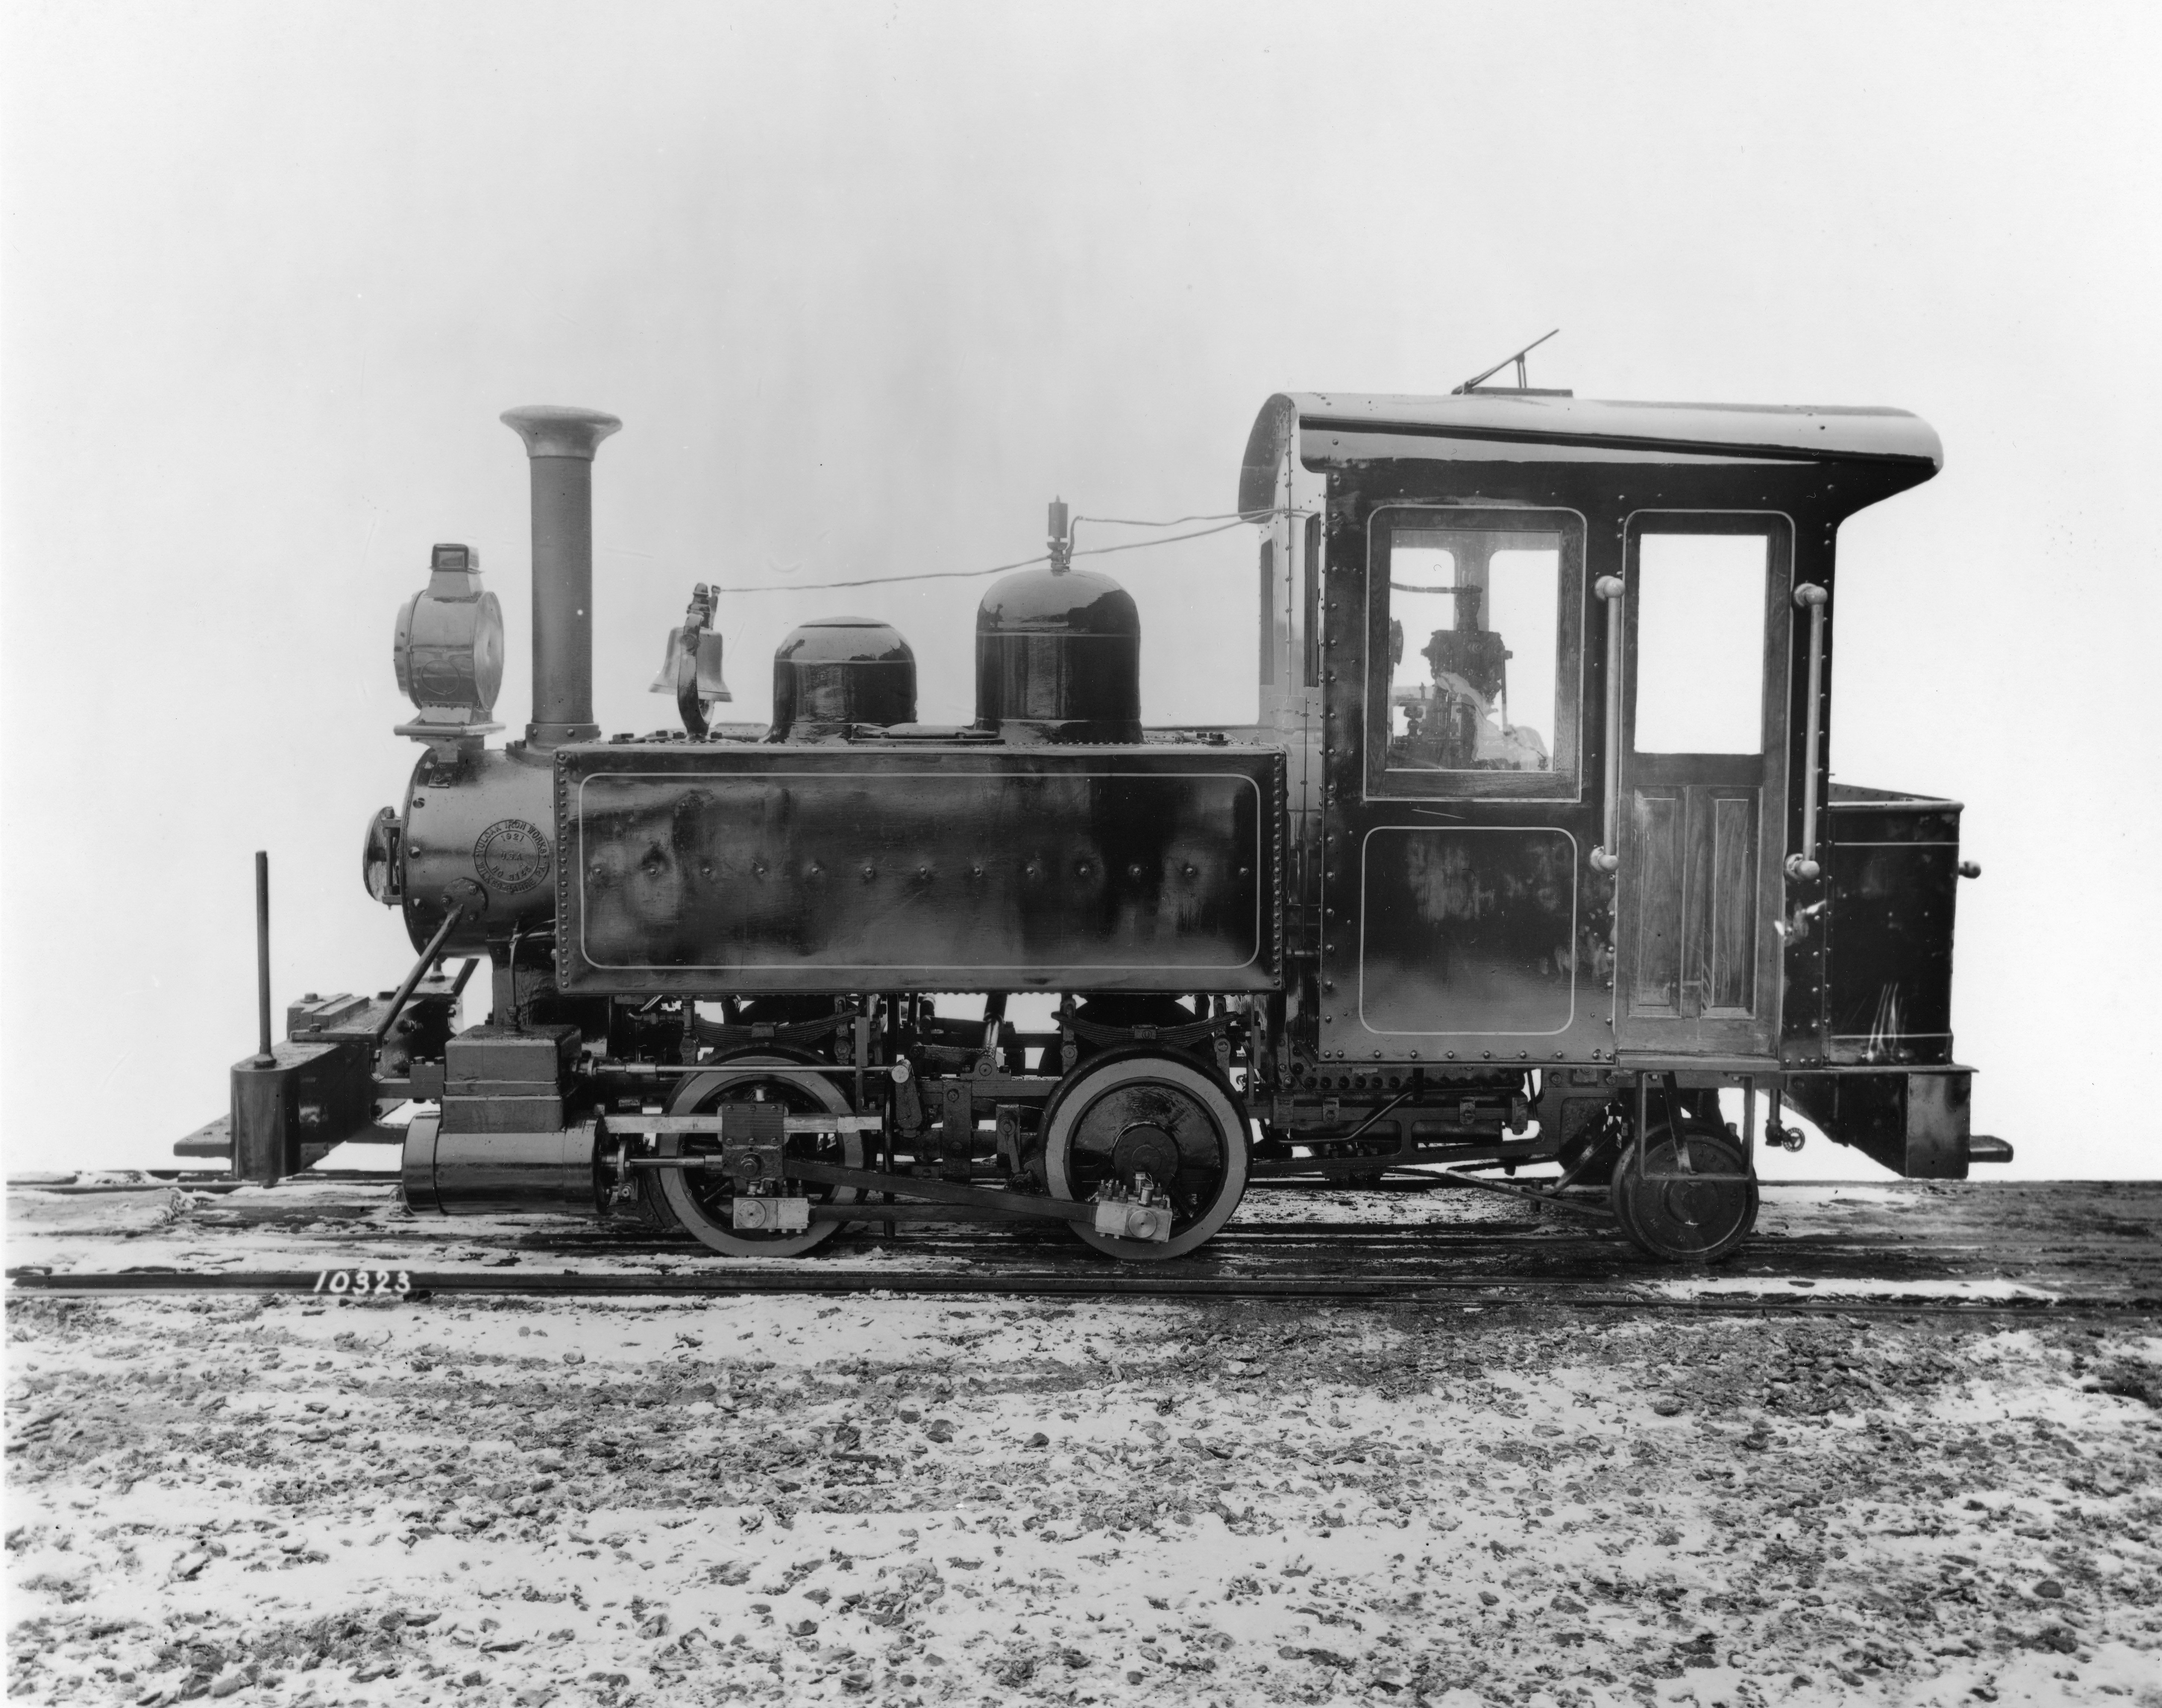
[554, 430]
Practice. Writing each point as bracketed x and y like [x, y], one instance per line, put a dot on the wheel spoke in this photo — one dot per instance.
[1153, 1118]
[705, 1204]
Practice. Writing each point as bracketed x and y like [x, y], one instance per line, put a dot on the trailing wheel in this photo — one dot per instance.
[1686, 1198]
[1146, 1131]
[704, 1203]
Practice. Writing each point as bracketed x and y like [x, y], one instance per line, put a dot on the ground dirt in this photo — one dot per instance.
[911, 1500]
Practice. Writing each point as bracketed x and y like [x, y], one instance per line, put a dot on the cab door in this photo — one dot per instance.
[1702, 783]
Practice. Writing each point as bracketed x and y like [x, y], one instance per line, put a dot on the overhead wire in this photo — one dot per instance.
[1227, 516]
[1168, 540]
[1172, 521]
[1225, 520]
[880, 581]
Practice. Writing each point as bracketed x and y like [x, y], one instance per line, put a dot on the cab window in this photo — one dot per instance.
[1473, 667]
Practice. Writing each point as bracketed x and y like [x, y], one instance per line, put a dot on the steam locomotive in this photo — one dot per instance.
[1531, 853]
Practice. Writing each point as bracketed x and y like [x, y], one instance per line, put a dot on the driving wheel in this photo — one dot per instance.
[704, 1203]
[1134, 1119]
[1678, 1197]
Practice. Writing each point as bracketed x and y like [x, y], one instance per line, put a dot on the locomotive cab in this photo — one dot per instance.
[1558, 676]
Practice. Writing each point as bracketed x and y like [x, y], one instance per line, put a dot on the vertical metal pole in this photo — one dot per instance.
[1607, 856]
[895, 1017]
[1616, 641]
[1816, 609]
[266, 1057]
[1804, 866]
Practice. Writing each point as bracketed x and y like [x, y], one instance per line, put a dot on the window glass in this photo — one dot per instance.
[1700, 643]
[1474, 635]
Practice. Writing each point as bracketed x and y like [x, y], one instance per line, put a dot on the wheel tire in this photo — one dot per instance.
[1112, 1094]
[1681, 1221]
[706, 1208]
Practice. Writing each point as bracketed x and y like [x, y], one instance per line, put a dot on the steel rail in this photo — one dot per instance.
[1463, 1292]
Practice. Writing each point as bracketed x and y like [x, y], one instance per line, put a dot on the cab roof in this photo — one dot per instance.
[1337, 429]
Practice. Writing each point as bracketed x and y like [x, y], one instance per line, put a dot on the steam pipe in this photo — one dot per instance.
[562, 444]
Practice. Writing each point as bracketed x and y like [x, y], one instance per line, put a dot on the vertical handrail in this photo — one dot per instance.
[1812, 599]
[265, 1056]
[1608, 857]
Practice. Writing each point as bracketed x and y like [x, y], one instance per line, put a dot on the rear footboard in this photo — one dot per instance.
[1916, 1123]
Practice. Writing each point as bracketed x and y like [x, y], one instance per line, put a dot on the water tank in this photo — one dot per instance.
[1058, 658]
[834, 671]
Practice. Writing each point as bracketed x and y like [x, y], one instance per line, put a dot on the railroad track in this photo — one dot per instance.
[2068, 1248]
[424, 1285]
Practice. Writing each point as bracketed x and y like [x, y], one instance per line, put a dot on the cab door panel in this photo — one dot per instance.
[1700, 881]
[1467, 930]
[1656, 816]
[1728, 907]
[1695, 849]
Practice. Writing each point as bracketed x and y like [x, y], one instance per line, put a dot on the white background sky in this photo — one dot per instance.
[870, 283]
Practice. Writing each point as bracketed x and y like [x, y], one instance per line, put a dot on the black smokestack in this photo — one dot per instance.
[561, 443]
